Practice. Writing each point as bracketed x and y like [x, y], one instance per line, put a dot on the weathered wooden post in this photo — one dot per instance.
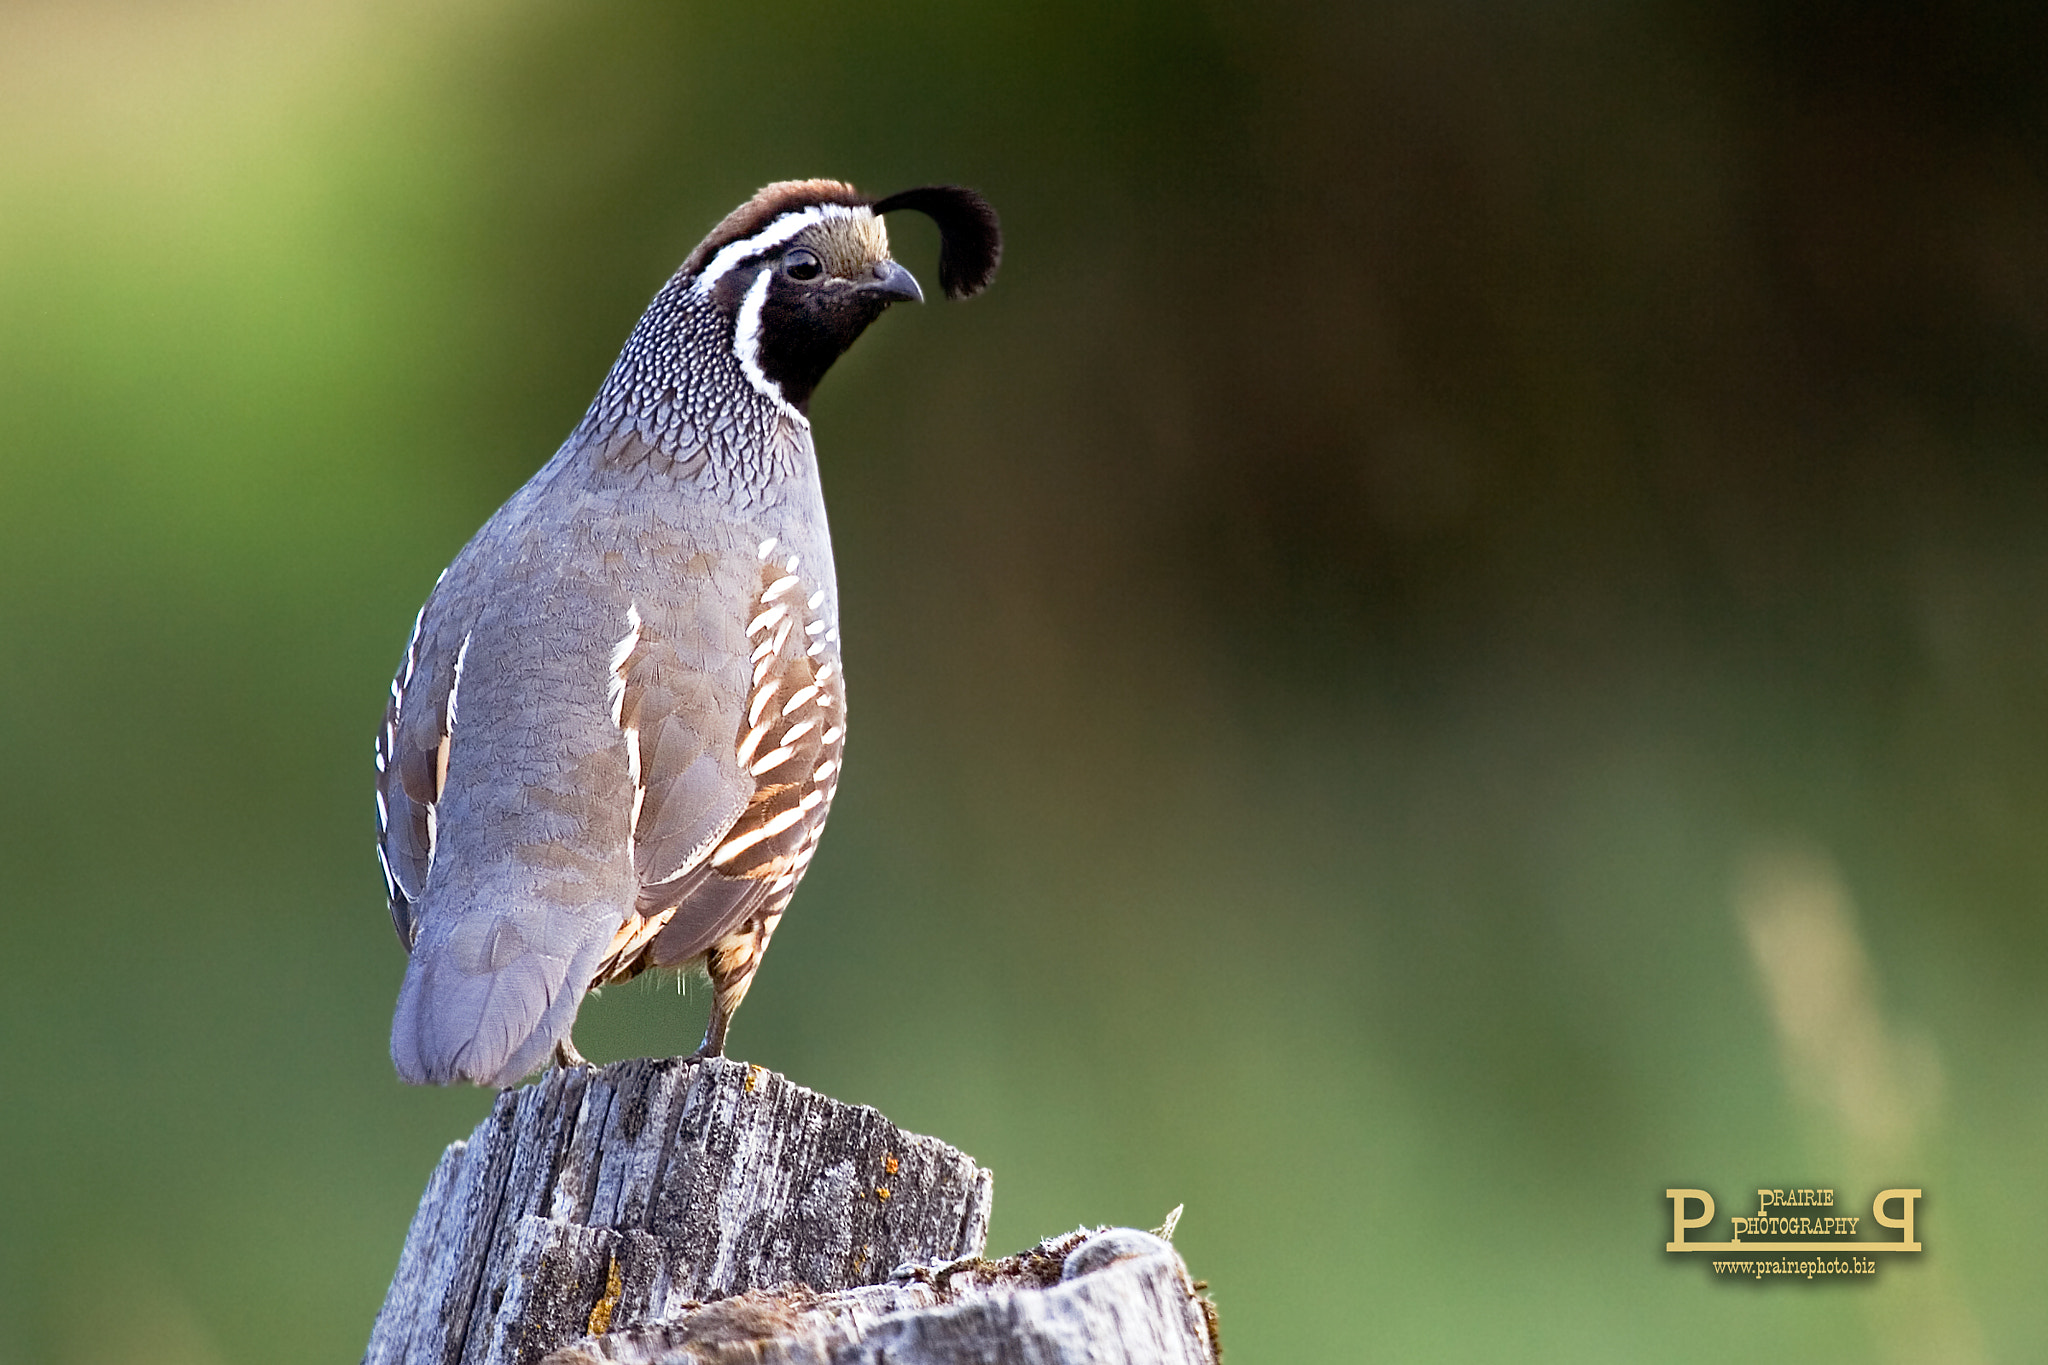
[709, 1211]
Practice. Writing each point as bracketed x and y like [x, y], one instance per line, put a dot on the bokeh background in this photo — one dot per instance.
[1461, 639]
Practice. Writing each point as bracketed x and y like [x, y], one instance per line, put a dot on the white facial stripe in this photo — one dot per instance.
[768, 238]
[746, 345]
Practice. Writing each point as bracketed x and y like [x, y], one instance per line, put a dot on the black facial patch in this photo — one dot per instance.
[805, 326]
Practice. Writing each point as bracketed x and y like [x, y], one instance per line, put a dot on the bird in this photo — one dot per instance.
[615, 733]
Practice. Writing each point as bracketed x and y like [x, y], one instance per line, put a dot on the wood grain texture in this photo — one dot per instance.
[626, 1196]
[1115, 1296]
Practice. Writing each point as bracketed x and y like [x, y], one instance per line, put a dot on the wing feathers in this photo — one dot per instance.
[725, 813]
[765, 774]
[411, 764]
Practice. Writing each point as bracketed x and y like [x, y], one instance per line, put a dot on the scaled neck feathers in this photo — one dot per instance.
[679, 397]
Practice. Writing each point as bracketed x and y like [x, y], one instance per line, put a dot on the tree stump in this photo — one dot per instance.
[709, 1211]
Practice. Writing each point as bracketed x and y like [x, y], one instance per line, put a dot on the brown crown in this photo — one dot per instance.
[769, 203]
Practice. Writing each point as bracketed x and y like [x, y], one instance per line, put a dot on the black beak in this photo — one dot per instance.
[893, 283]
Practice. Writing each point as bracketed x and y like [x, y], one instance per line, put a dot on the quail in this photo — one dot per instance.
[616, 731]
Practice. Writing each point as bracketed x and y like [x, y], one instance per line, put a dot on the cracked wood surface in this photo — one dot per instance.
[686, 1212]
[610, 1199]
[1115, 1296]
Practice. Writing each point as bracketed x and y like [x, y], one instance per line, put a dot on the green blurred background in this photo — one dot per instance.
[1462, 638]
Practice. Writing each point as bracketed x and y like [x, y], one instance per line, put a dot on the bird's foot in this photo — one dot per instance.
[714, 1035]
[566, 1054]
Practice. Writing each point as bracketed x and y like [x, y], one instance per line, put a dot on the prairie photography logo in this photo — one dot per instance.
[1801, 1233]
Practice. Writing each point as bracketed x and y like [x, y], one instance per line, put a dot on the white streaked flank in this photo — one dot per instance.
[753, 742]
[622, 653]
[412, 647]
[732, 848]
[456, 686]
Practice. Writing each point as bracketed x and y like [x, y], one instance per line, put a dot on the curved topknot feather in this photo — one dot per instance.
[970, 235]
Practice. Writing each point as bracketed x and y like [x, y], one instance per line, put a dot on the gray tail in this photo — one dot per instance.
[489, 1027]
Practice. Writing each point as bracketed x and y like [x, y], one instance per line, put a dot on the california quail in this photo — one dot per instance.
[617, 728]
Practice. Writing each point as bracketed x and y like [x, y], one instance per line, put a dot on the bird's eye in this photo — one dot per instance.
[800, 264]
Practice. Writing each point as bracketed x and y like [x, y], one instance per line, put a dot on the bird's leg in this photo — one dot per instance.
[714, 1035]
[566, 1054]
[731, 965]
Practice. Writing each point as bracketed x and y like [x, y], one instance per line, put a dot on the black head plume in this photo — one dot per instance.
[970, 237]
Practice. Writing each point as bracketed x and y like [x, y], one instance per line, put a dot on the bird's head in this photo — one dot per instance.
[803, 267]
